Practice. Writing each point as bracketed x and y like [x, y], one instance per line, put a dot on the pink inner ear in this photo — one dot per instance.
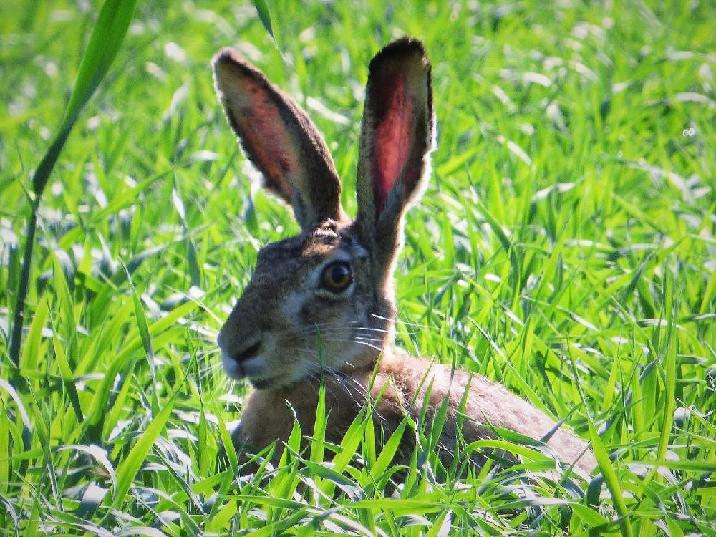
[393, 135]
[265, 138]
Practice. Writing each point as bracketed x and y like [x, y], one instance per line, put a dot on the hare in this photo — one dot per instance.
[320, 307]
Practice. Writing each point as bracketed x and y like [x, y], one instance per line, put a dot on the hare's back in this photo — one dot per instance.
[486, 405]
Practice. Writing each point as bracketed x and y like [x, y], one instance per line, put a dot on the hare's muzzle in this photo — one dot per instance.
[240, 359]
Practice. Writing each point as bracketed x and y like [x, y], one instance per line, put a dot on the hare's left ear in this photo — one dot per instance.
[280, 140]
[395, 144]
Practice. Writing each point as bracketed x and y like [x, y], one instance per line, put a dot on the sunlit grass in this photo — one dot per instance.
[565, 247]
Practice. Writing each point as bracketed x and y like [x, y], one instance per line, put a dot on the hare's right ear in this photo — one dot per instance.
[396, 140]
[280, 140]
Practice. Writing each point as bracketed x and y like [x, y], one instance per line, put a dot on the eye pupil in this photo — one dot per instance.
[337, 276]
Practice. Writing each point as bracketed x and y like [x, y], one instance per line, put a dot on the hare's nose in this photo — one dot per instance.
[247, 352]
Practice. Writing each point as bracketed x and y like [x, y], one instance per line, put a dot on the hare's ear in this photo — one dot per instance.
[280, 140]
[396, 140]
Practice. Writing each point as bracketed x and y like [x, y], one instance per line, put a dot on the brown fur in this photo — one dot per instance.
[289, 331]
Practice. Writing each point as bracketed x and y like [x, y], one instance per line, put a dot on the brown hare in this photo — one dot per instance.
[320, 306]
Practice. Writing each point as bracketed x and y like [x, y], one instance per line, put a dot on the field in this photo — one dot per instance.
[566, 246]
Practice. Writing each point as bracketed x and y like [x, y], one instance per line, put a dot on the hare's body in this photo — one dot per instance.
[396, 390]
[320, 307]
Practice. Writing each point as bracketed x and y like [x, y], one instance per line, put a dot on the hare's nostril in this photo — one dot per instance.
[247, 353]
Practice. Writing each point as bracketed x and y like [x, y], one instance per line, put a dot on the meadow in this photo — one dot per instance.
[565, 247]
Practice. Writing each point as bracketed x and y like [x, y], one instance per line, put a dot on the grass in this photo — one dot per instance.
[565, 247]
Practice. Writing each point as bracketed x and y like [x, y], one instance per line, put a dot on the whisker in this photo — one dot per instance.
[328, 329]
[347, 337]
[347, 340]
[357, 391]
[379, 349]
[209, 369]
[350, 330]
[360, 341]
[382, 318]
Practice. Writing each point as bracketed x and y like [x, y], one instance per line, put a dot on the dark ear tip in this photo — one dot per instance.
[230, 58]
[401, 49]
[226, 55]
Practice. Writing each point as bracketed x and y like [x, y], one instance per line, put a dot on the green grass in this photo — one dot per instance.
[565, 247]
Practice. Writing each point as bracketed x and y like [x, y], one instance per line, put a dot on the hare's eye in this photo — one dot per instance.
[336, 276]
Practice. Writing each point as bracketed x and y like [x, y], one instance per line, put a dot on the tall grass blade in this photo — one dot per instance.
[128, 468]
[612, 480]
[106, 38]
[265, 15]
[669, 373]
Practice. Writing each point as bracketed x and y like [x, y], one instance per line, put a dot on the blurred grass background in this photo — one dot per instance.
[565, 247]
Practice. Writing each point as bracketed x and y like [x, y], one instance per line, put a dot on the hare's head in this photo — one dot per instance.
[324, 300]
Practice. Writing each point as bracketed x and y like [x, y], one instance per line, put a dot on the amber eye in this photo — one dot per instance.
[336, 276]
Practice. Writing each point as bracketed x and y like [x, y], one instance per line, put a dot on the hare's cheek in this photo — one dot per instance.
[291, 309]
[320, 311]
[311, 314]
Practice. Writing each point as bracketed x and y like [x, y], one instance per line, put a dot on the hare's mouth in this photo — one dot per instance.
[252, 363]
[263, 383]
[247, 362]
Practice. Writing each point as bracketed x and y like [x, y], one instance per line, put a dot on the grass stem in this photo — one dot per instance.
[19, 316]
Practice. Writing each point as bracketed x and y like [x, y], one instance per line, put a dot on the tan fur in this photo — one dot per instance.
[289, 332]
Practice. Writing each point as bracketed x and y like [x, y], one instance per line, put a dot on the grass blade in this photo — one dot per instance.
[107, 36]
[610, 476]
[669, 373]
[128, 468]
[265, 15]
